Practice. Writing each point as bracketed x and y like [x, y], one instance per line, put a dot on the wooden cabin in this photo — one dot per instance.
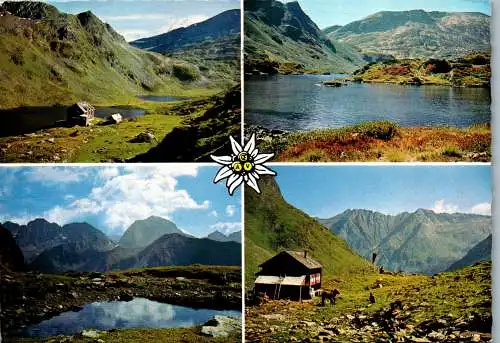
[82, 113]
[289, 275]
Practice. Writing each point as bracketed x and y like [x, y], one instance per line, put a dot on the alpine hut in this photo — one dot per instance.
[81, 113]
[289, 275]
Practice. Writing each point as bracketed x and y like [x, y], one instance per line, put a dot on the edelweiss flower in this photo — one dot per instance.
[244, 165]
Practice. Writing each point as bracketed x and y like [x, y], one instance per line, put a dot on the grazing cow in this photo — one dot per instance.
[329, 295]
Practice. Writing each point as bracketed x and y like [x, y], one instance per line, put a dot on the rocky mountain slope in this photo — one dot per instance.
[422, 241]
[220, 237]
[11, 257]
[273, 225]
[49, 57]
[144, 232]
[418, 34]
[281, 37]
[179, 250]
[40, 235]
[168, 250]
[480, 252]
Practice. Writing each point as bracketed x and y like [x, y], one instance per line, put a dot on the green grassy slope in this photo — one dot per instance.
[273, 225]
[49, 57]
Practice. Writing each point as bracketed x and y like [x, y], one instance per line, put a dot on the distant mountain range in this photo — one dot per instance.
[221, 26]
[212, 45]
[40, 235]
[280, 36]
[151, 242]
[220, 237]
[423, 241]
[417, 34]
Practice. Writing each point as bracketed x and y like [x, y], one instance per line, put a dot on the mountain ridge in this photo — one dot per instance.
[422, 241]
[418, 33]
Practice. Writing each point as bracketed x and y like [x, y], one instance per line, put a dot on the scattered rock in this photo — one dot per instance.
[221, 326]
[51, 140]
[91, 333]
[144, 137]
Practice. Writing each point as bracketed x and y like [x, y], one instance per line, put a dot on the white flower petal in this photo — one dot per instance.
[253, 183]
[245, 178]
[254, 153]
[223, 173]
[260, 169]
[235, 184]
[261, 158]
[250, 146]
[255, 175]
[231, 179]
[235, 146]
[222, 159]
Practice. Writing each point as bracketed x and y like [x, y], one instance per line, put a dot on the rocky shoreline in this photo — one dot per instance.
[29, 298]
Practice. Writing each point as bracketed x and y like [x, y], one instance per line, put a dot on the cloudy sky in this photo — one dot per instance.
[136, 19]
[326, 191]
[112, 198]
[340, 12]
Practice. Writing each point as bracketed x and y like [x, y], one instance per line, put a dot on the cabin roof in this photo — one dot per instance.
[305, 259]
[84, 106]
[301, 257]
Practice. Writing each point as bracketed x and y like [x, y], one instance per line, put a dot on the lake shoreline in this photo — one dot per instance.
[35, 297]
[115, 143]
[377, 141]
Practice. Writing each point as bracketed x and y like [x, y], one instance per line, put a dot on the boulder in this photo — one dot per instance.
[115, 118]
[91, 334]
[144, 137]
[333, 83]
[221, 326]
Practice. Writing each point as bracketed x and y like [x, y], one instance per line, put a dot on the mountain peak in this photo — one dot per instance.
[30, 9]
[144, 232]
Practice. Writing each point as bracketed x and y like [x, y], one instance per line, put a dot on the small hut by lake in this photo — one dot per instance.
[289, 275]
[82, 113]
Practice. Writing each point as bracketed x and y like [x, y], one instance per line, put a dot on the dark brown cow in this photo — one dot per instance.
[329, 295]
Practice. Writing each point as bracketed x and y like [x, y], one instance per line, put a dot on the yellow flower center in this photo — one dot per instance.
[237, 166]
[243, 156]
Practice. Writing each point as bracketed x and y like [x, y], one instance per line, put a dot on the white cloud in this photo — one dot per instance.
[172, 23]
[213, 214]
[230, 210]
[441, 207]
[135, 193]
[157, 16]
[56, 174]
[226, 227]
[483, 208]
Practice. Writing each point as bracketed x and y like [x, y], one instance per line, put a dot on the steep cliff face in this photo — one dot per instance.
[282, 34]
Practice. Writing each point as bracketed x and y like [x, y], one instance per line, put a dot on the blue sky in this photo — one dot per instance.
[144, 18]
[340, 12]
[111, 198]
[326, 191]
